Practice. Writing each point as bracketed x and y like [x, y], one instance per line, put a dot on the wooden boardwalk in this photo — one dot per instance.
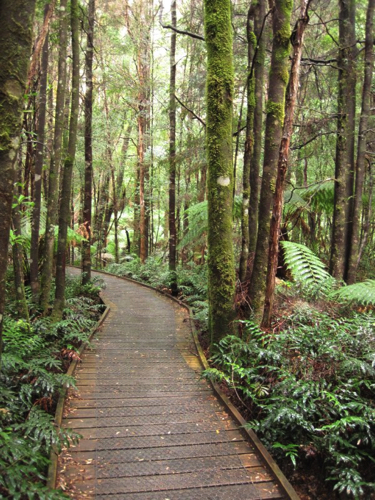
[151, 429]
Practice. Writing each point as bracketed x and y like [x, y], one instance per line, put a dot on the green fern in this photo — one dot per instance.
[362, 293]
[306, 267]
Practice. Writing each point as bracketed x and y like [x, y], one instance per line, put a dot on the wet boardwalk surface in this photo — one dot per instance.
[151, 429]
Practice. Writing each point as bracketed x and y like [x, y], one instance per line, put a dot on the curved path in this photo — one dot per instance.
[151, 429]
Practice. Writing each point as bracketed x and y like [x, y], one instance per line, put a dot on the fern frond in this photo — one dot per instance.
[305, 266]
[362, 293]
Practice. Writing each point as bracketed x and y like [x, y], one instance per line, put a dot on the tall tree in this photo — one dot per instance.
[64, 215]
[362, 140]
[279, 75]
[55, 161]
[15, 45]
[249, 143]
[172, 155]
[39, 161]
[290, 104]
[344, 164]
[259, 63]
[87, 200]
[221, 278]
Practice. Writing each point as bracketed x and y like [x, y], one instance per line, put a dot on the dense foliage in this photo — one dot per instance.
[35, 358]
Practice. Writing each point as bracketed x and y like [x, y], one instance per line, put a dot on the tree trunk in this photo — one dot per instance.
[39, 160]
[172, 157]
[249, 143]
[221, 276]
[87, 203]
[18, 261]
[344, 149]
[361, 151]
[279, 75]
[53, 185]
[64, 214]
[291, 98]
[15, 45]
[259, 16]
[141, 167]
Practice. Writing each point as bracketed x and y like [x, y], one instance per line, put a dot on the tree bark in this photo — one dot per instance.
[361, 150]
[291, 98]
[172, 156]
[345, 135]
[39, 160]
[259, 17]
[279, 76]
[18, 260]
[56, 155]
[249, 143]
[87, 202]
[221, 277]
[15, 45]
[64, 214]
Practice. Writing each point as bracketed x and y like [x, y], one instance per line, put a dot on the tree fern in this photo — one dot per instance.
[306, 267]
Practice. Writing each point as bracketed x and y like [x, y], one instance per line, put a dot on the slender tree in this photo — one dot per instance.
[249, 143]
[55, 161]
[259, 63]
[221, 279]
[172, 155]
[39, 161]
[344, 164]
[17, 254]
[279, 75]
[290, 104]
[15, 45]
[64, 215]
[87, 200]
[361, 149]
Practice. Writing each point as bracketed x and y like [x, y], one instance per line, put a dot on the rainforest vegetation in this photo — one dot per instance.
[223, 152]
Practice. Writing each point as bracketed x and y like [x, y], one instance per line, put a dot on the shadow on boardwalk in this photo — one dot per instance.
[151, 429]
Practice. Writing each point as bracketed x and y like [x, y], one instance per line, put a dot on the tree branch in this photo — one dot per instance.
[181, 32]
[190, 111]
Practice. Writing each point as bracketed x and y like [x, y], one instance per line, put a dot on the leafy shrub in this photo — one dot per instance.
[309, 390]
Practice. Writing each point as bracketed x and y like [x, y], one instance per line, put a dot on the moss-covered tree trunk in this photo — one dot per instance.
[16, 20]
[362, 136]
[279, 74]
[221, 278]
[172, 156]
[64, 215]
[87, 201]
[56, 155]
[259, 31]
[39, 161]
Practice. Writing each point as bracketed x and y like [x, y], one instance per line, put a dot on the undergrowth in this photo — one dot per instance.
[309, 391]
[34, 361]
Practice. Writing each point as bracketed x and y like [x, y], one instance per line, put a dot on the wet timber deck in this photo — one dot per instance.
[151, 429]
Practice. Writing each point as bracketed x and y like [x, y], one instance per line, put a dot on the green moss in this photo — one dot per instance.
[276, 109]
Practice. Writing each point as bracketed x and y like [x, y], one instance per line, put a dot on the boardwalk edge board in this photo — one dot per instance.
[54, 455]
[264, 454]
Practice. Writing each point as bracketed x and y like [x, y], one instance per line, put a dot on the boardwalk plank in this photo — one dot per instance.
[151, 428]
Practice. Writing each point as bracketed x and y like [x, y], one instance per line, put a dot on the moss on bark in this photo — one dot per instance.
[220, 168]
[16, 20]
